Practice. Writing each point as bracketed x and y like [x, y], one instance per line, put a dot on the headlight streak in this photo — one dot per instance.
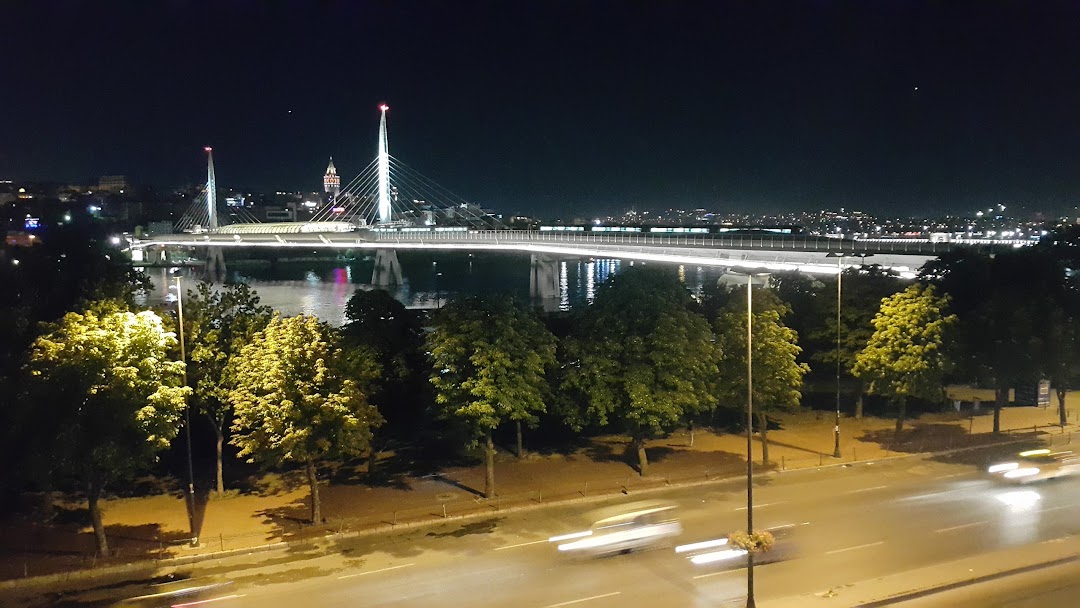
[1025, 472]
[571, 536]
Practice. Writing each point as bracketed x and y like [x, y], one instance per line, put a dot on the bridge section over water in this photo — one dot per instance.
[773, 252]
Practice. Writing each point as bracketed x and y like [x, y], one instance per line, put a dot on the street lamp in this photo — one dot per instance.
[839, 287]
[750, 432]
[438, 296]
[187, 419]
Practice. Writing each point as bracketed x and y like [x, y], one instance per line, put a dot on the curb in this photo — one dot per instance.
[87, 574]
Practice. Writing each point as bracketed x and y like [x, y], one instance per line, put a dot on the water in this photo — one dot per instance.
[322, 286]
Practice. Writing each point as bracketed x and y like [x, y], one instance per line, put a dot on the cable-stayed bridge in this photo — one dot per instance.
[389, 206]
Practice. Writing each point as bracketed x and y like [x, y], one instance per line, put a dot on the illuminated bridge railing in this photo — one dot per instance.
[765, 242]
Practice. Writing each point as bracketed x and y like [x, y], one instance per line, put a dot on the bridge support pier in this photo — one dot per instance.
[387, 268]
[215, 265]
[544, 281]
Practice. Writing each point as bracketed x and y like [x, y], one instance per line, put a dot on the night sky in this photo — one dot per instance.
[558, 107]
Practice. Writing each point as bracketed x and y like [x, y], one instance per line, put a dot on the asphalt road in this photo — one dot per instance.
[836, 526]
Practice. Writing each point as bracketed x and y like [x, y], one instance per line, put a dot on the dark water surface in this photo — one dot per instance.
[321, 286]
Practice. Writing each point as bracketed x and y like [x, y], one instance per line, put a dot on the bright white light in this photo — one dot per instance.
[115, 240]
[717, 556]
[562, 537]
[384, 107]
[1026, 472]
[14, 262]
[1007, 466]
[1022, 498]
[708, 544]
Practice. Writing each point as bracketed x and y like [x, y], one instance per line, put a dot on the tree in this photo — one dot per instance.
[217, 324]
[905, 356]
[69, 267]
[490, 357]
[1060, 356]
[862, 291]
[1003, 303]
[102, 380]
[778, 375]
[376, 321]
[296, 398]
[641, 357]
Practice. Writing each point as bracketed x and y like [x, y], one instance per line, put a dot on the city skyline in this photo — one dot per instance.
[561, 108]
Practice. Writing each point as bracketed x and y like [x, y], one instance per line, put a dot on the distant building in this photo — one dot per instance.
[331, 182]
[113, 183]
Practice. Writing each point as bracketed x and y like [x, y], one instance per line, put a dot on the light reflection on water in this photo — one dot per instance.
[322, 287]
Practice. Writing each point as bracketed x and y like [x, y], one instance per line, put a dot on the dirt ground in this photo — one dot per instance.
[157, 525]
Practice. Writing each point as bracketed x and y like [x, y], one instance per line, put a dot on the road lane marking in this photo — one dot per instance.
[584, 599]
[767, 504]
[950, 475]
[728, 571]
[375, 571]
[865, 489]
[880, 542]
[961, 526]
[535, 542]
[215, 599]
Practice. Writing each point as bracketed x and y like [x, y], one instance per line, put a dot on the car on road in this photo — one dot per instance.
[622, 529]
[719, 554]
[1036, 465]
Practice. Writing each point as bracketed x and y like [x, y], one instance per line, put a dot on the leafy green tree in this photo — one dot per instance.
[103, 382]
[862, 290]
[490, 358]
[378, 322]
[1060, 356]
[906, 356]
[641, 357]
[68, 268]
[1003, 303]
[297, 398]
[778, 375]
[217, 324]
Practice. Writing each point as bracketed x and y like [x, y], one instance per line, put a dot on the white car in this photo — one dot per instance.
[641, 525]
[1035, 465]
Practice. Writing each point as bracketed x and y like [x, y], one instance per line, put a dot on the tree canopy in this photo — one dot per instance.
[905, 357]
[102, 381]
[376, 321]
[490, 358]
[777, 373]
[297, 399]
[641, 358]
[217, 324]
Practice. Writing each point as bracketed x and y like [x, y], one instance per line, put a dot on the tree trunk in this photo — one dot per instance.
[489, 457]
[642, 457]
[763, 430]
[1000, 395]
[220, 476]
[901, 416]
[95, 519]
[313, 484]
[690, 427]
[372, 458]
[219, 433]
[859, 401]
[520, 450]
[1063, 419]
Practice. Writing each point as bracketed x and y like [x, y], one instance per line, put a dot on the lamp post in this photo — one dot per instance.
[839, 289]
[187, 419]
[437, 274]
[750, 603]
[749, 437]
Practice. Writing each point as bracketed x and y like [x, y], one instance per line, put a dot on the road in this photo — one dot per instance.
[840, 524]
